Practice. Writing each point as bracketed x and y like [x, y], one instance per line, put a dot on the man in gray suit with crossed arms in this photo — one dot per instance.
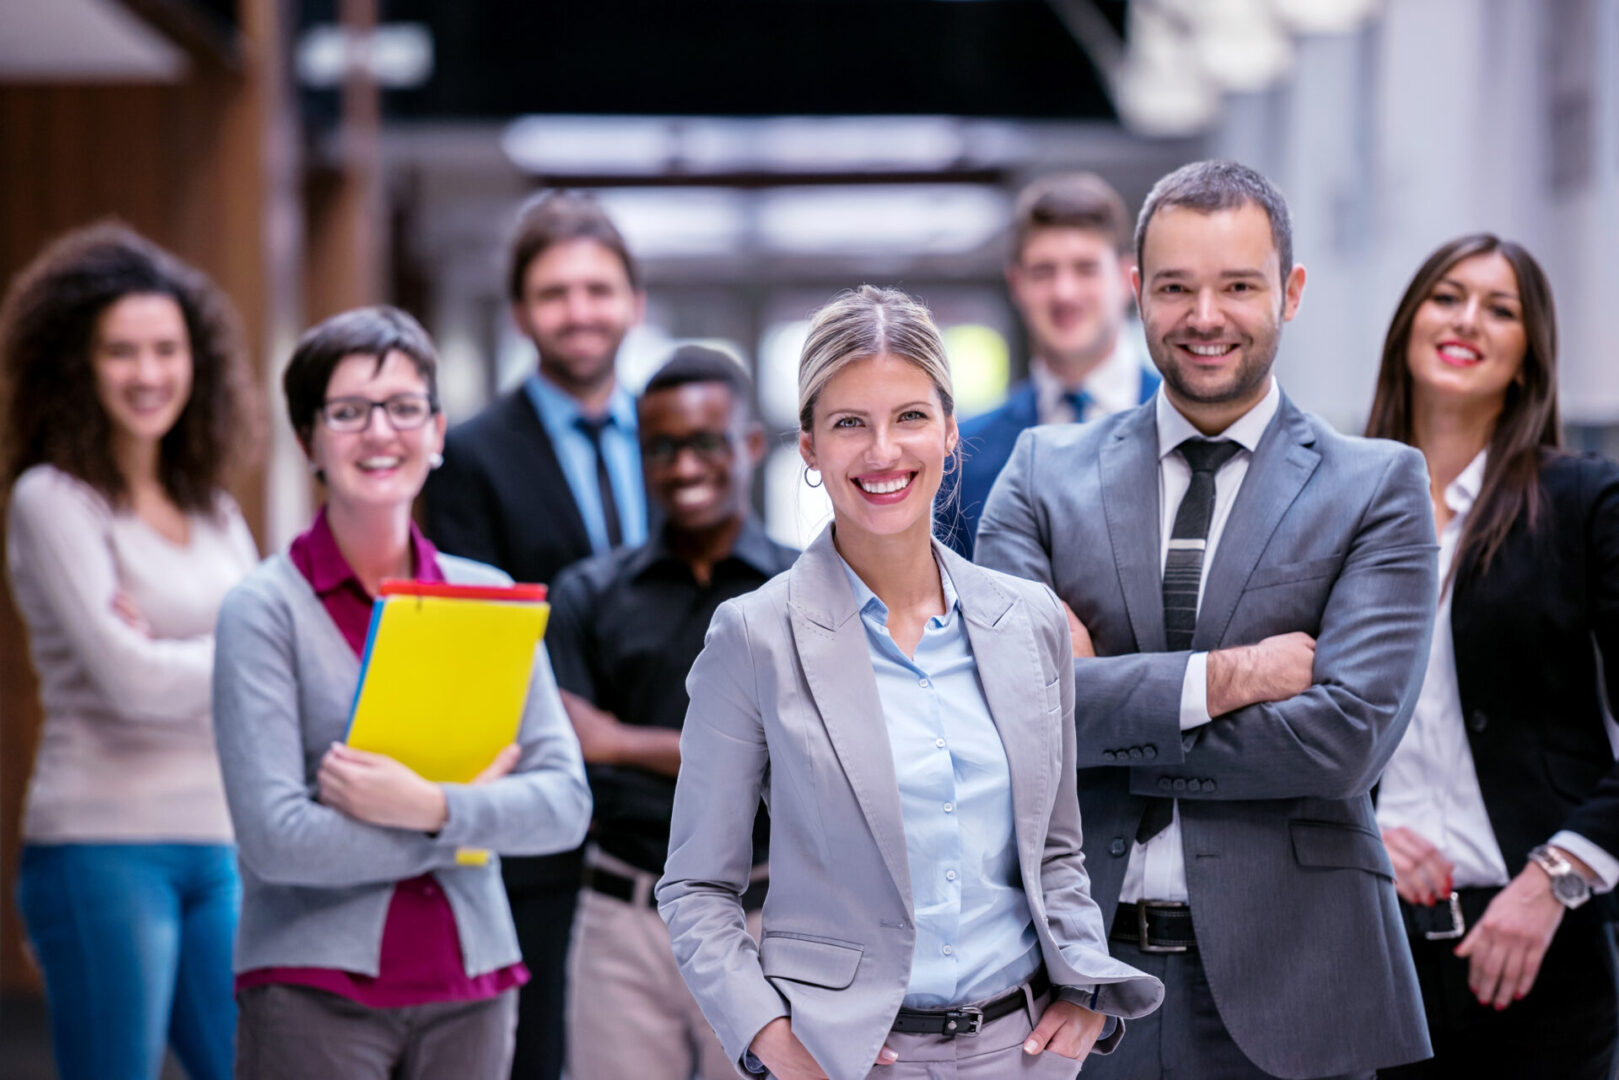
[1252, 595]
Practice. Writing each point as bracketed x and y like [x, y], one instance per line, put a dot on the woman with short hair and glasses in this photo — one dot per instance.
[126, 386]
[365, 951]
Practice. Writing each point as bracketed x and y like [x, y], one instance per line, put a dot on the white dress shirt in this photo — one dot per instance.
[1430, 785]
[1157, 869]
[1113, 385]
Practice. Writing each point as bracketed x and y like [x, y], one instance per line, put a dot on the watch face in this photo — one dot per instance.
[1571, 889]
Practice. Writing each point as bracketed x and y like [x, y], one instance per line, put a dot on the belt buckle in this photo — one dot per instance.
[970, 1015]
[1457, 926]
[1141, 926]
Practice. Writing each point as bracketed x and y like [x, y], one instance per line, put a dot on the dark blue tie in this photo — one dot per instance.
[604, 482]
[1079, 401]
[1183, 575]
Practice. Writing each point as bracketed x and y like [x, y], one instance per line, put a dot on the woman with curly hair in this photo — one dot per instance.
[124, 375]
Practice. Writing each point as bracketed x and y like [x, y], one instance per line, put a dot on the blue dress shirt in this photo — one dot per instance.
[620, 447]
[975, 937]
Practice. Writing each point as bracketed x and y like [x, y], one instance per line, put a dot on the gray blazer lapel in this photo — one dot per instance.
[1282, 464]
[1007, 655]
[832, 646]
[1129, 463]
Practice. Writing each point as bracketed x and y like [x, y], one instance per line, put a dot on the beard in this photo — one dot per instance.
[1252, 371]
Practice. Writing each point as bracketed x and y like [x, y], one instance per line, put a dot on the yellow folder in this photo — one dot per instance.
[445, 674]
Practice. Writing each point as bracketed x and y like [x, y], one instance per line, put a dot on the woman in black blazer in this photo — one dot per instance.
[1500, 809]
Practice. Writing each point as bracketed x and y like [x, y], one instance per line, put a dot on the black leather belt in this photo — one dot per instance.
[967, 1019]
[1155, 926]
[621, 887]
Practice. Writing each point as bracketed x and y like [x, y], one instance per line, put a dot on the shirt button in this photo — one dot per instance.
[948, 951]
[923, 683]
[939, 743]
[950, 875]
[949, 806]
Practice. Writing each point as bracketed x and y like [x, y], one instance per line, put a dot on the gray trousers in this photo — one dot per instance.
[1184, 1039]
[286, 1032]
[994, 1053]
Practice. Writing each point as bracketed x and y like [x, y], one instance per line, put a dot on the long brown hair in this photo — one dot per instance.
[47, 325]
[1529, 421]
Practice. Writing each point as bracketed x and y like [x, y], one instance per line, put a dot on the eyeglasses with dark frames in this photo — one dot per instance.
[406, 412]
[711, 446]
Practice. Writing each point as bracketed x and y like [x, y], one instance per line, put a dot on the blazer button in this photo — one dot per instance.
[1477, 720]
[1117, 847]
[1135, 753]
[1208, 787]
[1150, 750]
[1109, 755]
[1180, 784]
[1165, 783]
[1194, 785]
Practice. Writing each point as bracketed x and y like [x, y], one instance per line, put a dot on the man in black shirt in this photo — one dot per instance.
[625, 629]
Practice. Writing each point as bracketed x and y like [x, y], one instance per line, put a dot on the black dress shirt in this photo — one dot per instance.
[625, 628]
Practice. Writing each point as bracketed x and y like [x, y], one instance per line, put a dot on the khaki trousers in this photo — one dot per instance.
[994, 1053]
[629, 1012]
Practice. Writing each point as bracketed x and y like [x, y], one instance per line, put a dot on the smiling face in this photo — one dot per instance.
[880, 437]
[1467, 341]
[1070, 286]
[576, 307]
[376, 467]
[141, 355]
[1213, 302]
[699, 453]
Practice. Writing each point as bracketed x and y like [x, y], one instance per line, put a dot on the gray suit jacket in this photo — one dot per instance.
[1291, 890]
[784, 705]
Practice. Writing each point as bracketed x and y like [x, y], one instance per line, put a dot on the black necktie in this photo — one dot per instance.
[604, 481]
[1183, 575]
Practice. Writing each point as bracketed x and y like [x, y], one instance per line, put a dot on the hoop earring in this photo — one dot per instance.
[817, 482]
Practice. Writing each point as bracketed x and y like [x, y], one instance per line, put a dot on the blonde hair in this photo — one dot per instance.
[861, 323]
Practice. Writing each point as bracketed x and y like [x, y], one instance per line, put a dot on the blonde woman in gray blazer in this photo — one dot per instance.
[907, 718]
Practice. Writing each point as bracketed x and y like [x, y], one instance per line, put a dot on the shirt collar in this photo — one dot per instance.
[1114, 384]
[870, 604]
[1245, 431]
[1462, 492]
[328, 569]
[558, 409]
[752, 547]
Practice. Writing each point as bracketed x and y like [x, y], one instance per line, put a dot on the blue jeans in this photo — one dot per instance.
[135, 943]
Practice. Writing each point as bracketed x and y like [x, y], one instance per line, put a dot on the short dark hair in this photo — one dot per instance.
[1208, 186]
[1070, 201]
[559, 216]
[368, 331]
[699, 363]
[47, 331]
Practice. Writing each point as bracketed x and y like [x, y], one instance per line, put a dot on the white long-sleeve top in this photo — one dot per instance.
[126, 751]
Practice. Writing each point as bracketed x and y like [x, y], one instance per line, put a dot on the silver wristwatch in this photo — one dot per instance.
[1568, 884]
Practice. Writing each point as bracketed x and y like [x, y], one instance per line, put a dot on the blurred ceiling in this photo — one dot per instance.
[493, 59]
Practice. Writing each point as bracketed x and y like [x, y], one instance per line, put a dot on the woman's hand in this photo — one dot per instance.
[780, 1051]
[124, 607]
[1082, 637]
[1065, 1029]
[1505, 947]
[1422, 876]
[375, 788]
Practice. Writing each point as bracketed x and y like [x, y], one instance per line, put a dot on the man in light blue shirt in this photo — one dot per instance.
[549, 474]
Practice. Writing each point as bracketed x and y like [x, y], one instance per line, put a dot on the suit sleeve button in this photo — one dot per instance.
[1194, 785]
[1165, 783]
[1117, 847]
[1208, 787]
[1180, 784]
[1109, 755]
[1136, 754]
[1150, 751]
[1477, 720]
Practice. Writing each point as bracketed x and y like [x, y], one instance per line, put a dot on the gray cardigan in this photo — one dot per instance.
[316, 884]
